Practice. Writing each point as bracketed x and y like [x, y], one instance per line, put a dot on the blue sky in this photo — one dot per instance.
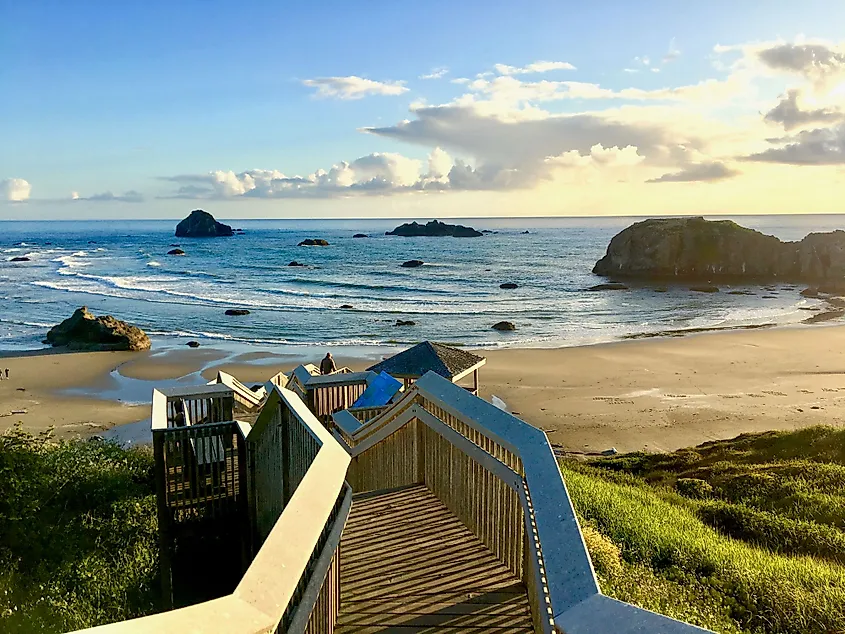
[103, 98]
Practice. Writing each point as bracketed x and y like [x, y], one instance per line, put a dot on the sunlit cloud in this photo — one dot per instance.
[436, 73]
[353, 87]
[535, 67]
[15, 190]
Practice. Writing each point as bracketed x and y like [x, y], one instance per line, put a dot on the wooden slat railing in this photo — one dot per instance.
[500, 477]
[326, 394]
[292, 584]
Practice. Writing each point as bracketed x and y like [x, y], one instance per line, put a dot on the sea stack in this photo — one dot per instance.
[434, 228]
[201, 224]
[84, 331]
[696, 249]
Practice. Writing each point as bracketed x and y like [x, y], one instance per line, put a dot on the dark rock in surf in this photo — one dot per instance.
[201, 224]
[313, 242]
[295, 263]
[405, 322]
[346, 306]
[412, 264]
[20, 258]
[435, 229]
[176, 252]
[193, 344]
[84, 331]
[706, 288]
[508, 285]
[236, 312]
[360, 235]
[504, 326]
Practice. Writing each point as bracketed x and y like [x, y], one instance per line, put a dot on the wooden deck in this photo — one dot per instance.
[408, 565]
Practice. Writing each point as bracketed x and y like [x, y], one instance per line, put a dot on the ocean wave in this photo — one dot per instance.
[71, 261]
[33, 324]
[153, 263]
[80, 254]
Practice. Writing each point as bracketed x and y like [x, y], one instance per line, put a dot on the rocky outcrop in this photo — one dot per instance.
[176, 252]
[699, 249]
[193, 344]
[360, 235]
[504, 326]
[313, 242]
[20, 258]
[84, 331]
[201, 224]
[434, 228]
[509, 286]
[705, 288]
[412, 264]
[237, 312]
[295, 263]
[405, 322]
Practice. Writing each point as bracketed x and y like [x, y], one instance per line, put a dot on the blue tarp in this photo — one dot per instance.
[383, 388]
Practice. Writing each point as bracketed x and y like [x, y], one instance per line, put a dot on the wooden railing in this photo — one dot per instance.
[500, 477]
[296, 502]
[325, 394]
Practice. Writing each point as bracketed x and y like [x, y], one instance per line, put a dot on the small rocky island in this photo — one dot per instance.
[84, 331]
[435, 229]
[696, 249]
[201, 224]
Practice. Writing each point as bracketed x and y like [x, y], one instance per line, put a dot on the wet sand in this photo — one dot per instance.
[652, 394]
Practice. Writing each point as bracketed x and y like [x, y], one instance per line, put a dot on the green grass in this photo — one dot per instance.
[78, 534]
[742, 535]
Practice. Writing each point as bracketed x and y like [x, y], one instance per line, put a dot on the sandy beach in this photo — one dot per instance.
[653, 395]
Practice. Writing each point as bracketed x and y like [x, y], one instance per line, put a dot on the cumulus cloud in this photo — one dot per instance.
[820, 63]
[789, 114]
[380, 172]
[535, 67]
[15, 189]
[702, 172]
[353, 87]
[436, 73]
[127, 197]
[822, 146]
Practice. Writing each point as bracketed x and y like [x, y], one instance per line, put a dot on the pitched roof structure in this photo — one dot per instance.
[448, 362]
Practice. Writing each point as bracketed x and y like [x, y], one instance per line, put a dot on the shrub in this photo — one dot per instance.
[78, 533]
[694, 488]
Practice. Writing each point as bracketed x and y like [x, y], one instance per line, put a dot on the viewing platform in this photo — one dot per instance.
[436, 513]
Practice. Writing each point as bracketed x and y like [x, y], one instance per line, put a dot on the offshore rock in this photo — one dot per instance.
[201, 224]
[705, 250]
[434, 228]
[504, 325]
[313, 242]
[84, 331]
[412, 264]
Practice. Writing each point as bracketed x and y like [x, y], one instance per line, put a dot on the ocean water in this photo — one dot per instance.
[121, 268]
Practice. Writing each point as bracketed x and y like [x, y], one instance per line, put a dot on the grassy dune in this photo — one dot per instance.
[744, 535]
[78, 534]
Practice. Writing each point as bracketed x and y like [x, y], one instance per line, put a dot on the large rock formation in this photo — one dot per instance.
[84, 331]
[699, 249]
[201, 224]
[434, 228]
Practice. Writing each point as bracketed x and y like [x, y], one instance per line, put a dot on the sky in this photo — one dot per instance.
[148, 109]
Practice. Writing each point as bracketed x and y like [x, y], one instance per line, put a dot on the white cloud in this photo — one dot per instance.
[127, 197]
[672, 54]
[436, 73]
[353, 87]
[15, 189]
[535, 67]
[702, 172]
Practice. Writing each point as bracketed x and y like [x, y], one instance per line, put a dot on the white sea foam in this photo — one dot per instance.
[153, 263]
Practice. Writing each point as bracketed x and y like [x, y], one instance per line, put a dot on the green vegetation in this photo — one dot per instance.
[78, 533]
[742, 535]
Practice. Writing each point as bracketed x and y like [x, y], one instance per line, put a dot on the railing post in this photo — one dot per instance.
[244, 506]
[164, 534]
